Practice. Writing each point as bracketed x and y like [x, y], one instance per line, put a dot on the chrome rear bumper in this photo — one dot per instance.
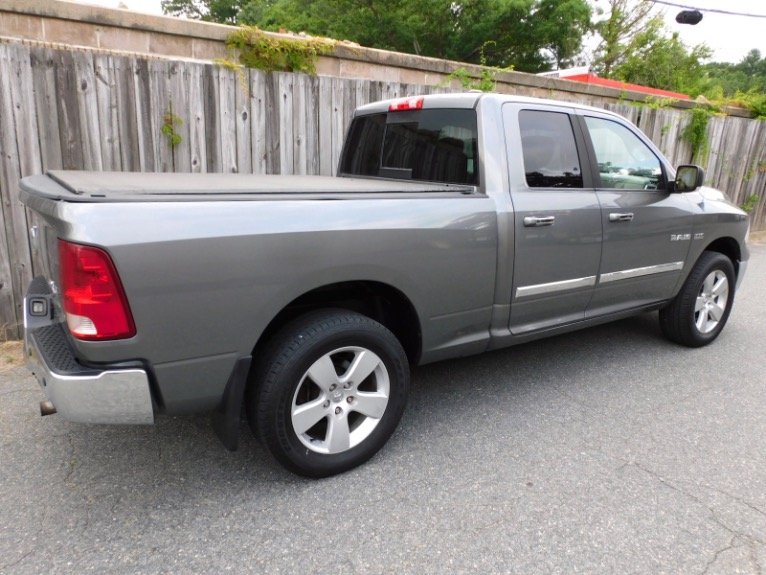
[82, 394]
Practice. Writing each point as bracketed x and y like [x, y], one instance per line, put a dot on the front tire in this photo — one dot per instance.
[329, 392]
[697, 315]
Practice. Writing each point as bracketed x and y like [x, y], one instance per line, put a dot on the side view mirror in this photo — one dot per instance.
[689, 178]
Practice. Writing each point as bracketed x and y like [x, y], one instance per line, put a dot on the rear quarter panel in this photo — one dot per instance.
[205, 279]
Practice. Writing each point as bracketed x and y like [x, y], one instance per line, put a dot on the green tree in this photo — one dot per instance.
[664, 62]
[636, 47]
[221, 11]
[753, 64]
[749, 75]
[555, 16]
[625, 19]
[531, 35]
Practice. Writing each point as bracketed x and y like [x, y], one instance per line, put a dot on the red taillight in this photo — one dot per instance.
[414, 103]
[94, 301]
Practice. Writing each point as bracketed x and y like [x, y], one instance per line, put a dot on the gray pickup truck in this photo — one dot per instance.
[459, 224]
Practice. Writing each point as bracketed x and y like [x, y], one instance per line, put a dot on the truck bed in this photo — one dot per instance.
[90, 187]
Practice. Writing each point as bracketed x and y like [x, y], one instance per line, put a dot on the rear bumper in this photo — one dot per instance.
[82, 394]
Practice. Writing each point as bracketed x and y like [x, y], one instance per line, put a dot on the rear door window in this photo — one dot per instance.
[549, 149]
[426, 145]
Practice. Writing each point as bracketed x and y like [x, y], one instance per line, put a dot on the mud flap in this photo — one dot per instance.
[226, 418]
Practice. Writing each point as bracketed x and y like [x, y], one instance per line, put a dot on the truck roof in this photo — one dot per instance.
[463, 100]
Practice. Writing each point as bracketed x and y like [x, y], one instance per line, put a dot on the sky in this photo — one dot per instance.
[730, 37]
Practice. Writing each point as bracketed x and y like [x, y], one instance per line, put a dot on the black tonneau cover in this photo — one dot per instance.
[76, 186]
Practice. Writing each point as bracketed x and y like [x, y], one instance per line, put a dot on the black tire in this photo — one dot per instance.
[283, 395]
[681, 322]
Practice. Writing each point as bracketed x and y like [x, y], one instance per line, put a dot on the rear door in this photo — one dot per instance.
[557, 217]
[647, 229]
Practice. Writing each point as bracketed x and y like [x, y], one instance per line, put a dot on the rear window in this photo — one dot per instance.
[427, 145]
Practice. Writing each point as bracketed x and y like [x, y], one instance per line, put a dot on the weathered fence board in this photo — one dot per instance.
[312, 128]
[80, 110]
[196, 117]
[87, 102]
[30, 161]
[8, 171]
[15, 221]
[273, 162]
[125, 94]
[299, 116]
[244, 125]
[256, 81]
[68, 111]
[147, 138]
[159, 110]
[286, 123]
[338, 120]
[179, 92]
[108, 117]
[670, 140]
[44, 81]
[31, 155]
[757, 184]
[227, 88]
[325, 120]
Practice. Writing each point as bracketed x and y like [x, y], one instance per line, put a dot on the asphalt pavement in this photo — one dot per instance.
[609, 450]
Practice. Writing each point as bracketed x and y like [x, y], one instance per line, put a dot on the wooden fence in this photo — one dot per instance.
[86, 110]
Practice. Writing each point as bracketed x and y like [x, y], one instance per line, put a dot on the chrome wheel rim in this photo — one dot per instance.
[340, 400]
[711, 302]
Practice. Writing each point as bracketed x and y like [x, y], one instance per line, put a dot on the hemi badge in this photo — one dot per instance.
[699, 236]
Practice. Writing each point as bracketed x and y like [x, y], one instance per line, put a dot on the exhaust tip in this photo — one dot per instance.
[47, 408]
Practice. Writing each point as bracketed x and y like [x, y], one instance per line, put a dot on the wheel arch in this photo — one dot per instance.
[377, 300]
[728, 247]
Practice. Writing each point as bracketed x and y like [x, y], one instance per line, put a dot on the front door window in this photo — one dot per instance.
[624, 161]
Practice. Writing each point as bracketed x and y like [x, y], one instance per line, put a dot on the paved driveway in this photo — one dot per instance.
[605, 451]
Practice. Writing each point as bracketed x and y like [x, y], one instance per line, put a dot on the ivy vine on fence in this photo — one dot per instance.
[695, 133]
[487, 80]
[168, 128]
[257, 49]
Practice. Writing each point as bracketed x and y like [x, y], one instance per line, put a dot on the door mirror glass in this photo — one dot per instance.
[689, 178]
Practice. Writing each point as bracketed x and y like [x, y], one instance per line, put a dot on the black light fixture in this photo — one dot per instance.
[691, 17]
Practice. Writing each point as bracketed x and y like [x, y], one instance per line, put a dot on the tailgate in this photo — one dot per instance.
[45, 226]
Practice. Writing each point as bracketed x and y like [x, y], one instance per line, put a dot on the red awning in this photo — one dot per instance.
[591, 79]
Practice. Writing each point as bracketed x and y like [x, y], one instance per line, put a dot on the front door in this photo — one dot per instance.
[647, 229]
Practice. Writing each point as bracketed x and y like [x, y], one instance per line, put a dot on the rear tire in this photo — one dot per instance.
[329, 392]
[699, 312]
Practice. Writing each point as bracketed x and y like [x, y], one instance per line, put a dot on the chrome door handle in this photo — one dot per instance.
[620, 217]
[534, 222]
